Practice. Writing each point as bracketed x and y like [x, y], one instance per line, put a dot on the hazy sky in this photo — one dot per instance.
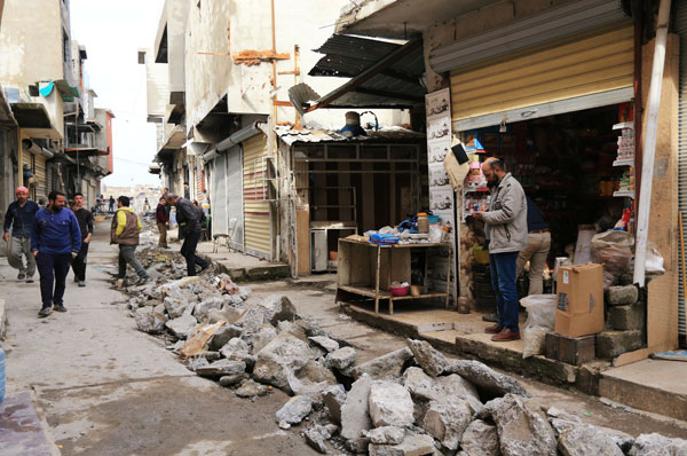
[112, 32]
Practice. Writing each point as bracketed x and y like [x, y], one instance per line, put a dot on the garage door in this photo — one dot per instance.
[220, 219]
[234, 201]
[257, 207]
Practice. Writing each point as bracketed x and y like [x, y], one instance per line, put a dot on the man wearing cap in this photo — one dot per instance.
[17, 228]
[189, 220]
[506, 229]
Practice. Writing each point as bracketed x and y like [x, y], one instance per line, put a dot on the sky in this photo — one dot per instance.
[112, 32]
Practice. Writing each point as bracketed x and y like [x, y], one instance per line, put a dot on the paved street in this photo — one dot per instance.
[107, 389]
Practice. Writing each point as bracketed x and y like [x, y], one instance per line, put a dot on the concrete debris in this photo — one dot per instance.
[149, 320]
[341, 359]
[175, 307]
[278, 308]
[486, 379]
[315, 372]
[224, 335]
[414, 444]
[333, 398]
[455, 386]
[199, 362]
[480, 439]
[390, 404]
[294, 411]
[389, 366]
[386, 435]
[221, 368]
[581, 440]
[232, 380]
[622, 295]
[317, 435]
[182, 327]
[522, 427]
[658, 445]
[446, 421]
[250, 388]
[237, 350]
[202, 310]
[429, 358]
[355, 416]
[259, 338]
[329, 345]
[284, 355]
[295, 330]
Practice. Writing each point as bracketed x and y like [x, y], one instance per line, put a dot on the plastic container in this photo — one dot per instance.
[2, 375]
[422, 222]
[397, 291]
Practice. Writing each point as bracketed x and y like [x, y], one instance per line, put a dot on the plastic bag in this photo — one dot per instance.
[613, 249]
[654, 261]
[541, 317]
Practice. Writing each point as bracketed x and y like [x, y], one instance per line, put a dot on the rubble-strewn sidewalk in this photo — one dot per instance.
[409, 401]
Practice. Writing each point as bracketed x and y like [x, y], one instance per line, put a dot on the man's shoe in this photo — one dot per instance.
[119, 284]
[82, 284]
[491, 318]
[506, 335]
[143, 280]
[60, 308]
[493, 329]
[44, 312]
[29, 279]
[21, 276]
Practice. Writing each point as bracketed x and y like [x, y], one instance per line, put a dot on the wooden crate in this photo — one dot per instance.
[571, 350]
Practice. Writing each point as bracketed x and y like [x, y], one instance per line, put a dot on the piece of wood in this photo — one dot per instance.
[303, 239]
[631, 357]
[570, 350]
[253, 57]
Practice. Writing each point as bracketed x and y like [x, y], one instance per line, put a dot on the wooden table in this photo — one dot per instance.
[367, 269]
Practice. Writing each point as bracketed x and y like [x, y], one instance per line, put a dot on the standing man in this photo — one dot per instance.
[188, 218]
[162, 219]
[506, 230]
[126, 228]
[55, 242]
[19, 218]
[85, 218]
[111, 204]
[537, 249]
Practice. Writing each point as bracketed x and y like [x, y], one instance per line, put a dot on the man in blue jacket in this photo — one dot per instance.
[55, 242]
[17, 233]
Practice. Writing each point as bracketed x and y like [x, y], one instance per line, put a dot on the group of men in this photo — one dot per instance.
[55, 238]
[517, 233]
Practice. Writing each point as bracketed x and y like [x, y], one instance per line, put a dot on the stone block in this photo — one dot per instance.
[610, 344]
[625, 318]
[622, 295]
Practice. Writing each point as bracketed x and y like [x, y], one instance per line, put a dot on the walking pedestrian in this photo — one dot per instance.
[162, 219]
[126, 228]
[537, 249]
[85, 218]
[19, 219]
[188, 219]
[55, 242]
[506, 230]
[111, 204]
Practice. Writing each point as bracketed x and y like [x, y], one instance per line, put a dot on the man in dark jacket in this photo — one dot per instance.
[162, 219]
[188, 218]
[126, 227]
[19, 220]
[55, 242]
[85, 218]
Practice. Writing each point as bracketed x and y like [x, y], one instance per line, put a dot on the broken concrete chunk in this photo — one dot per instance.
[389, 366]
[429, 358]
[182, 327]
[390, 404]
[582, 440]
[279, 308]
[292, 328]
[413, 444]
[333, 398]
[455, 386]
[386, 435]
[232, 380]
[221, 368]
[237, 350]
[316, 436]
[355, 417]
[480, 439]
[224, 335]
[327, 344]
[341, 359]
[522, 426]
[622, 295]
[610, 344]
[259, 338]
[486, 379]
[197, 363]
[250, 388]
[420, 385]
[294, 411]
[446, 421]
[315, 372]
[175, 307]
[658, 445]
[150, 321]
[202, 309]
[283, 356]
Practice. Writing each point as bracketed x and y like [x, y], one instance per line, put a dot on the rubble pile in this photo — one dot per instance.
[413, 401]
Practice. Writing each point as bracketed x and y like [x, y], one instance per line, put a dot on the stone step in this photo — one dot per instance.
[654, 386]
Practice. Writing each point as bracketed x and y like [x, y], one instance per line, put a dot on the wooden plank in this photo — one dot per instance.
[303, 239]
[631, 357]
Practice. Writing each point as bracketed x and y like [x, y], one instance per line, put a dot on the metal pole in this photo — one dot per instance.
[649, 155]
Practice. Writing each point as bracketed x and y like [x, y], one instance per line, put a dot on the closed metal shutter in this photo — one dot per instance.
[257, 207]
[234, 201]
[37, 163]
[593, 65]
[218, 198]
[680, 27]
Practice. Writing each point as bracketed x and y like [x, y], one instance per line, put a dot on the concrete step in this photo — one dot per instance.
[651, 385]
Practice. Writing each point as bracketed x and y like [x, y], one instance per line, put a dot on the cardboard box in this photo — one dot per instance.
[580, 309]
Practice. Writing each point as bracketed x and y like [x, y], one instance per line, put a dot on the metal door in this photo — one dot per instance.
[218, 201]
[234, 201]
[680, 27]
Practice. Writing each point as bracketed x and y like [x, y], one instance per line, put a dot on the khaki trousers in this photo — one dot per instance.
[536, 252]
[162, 241]
[16, 248]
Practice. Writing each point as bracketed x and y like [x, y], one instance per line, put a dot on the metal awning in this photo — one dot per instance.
[86, 151]
[384, 74]
[31, 115]
[6, 116]
[236, 138]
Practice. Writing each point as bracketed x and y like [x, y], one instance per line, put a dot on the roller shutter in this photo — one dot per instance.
[257, 207]
[220, 219]
[599, 64]
[234, 202]
[37, 163]
[680, 27]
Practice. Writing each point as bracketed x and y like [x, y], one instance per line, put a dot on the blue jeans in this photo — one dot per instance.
[502, 267]
[53, 269]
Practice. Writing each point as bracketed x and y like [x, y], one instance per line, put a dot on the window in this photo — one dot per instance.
[65, 47]
[141, 57]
